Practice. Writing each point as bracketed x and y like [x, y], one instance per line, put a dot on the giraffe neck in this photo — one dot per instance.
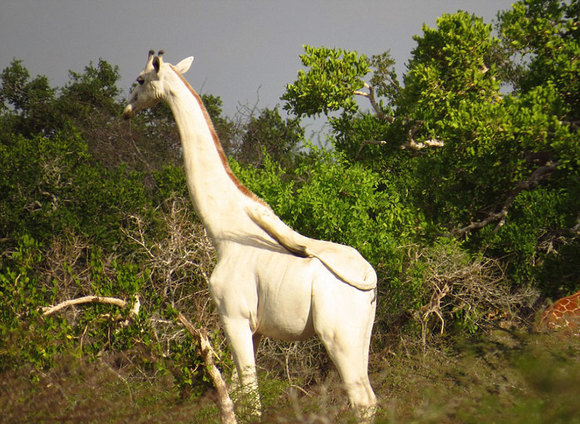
[217, 195]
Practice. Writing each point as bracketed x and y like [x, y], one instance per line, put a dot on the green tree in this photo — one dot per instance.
[328, 85]
[326, 197]
[26, 104]
[478, 161]
[49, 185]
[95, 88]
[543, 39]
[269, 133]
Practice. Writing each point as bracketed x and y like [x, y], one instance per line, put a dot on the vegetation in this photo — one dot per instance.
[458, 181]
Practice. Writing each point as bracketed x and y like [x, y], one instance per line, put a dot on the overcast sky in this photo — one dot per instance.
[244, 49]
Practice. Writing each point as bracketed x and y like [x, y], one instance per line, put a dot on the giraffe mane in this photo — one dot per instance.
[245, 190]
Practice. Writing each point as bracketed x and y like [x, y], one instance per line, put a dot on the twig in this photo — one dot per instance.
[123, 379]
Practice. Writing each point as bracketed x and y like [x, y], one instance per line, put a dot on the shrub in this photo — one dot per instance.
[49, 185]
[467, 292]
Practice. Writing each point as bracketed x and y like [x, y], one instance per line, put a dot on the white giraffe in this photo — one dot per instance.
[269, 280]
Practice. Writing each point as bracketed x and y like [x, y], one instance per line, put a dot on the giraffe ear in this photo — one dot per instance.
[184, 65]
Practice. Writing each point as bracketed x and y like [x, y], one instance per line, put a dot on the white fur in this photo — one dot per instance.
[269, 280]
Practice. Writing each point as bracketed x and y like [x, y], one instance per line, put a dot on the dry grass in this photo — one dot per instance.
[75, 391]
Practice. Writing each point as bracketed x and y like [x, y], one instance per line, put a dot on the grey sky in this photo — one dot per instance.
[241, 47]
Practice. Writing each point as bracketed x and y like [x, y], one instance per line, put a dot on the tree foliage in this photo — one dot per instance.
[543, 37]
[332, 77]
[26, 103]
[471, 153]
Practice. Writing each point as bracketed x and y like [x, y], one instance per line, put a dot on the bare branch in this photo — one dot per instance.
[475, 291]
[535, 178]
[367, 142]
[371, 96]
[434, 307]
[225, 404]
[361, 93]
[413, 145]
[49, 310]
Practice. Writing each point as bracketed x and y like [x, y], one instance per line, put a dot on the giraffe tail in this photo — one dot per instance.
[343, 261]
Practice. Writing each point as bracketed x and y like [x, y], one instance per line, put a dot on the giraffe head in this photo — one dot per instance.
[151, 87]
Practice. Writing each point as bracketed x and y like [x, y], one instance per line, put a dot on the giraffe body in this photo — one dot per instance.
[269, 280]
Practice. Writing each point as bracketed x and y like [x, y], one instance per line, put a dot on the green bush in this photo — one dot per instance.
[26, 339]
[52, 184]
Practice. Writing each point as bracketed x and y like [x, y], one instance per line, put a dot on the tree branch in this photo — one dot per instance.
[367, 142]
[535, 178]
[371, 96]
[225, 404]
[411, 143]
[48, 310]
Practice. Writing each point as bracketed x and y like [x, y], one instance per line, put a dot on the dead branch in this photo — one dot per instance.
[535, 178]
[377, 142]
[475, 291]
[184, 253]
[433, 308]
[225, 404]
[372, 99]
[48, 310]
[411, 144]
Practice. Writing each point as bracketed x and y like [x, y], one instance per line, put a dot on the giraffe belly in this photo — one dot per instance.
[284, 309]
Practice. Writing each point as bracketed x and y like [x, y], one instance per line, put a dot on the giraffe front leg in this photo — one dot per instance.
[246, 392]
[235, 383]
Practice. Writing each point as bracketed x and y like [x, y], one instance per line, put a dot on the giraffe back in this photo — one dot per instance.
[564, 313]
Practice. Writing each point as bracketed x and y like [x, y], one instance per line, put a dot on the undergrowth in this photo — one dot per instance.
[502, 377]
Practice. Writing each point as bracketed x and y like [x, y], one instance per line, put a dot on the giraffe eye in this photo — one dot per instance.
[140, 81]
